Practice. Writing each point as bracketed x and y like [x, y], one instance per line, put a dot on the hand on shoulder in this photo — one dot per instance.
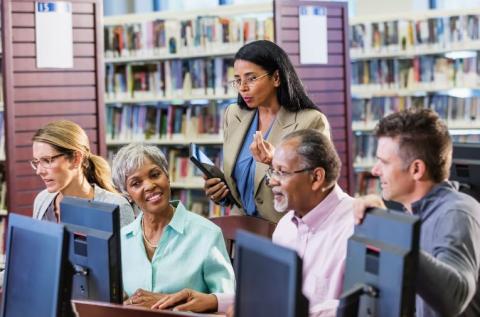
[360, 204]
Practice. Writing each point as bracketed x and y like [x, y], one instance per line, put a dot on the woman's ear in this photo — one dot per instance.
[77, 159]
[276, 78]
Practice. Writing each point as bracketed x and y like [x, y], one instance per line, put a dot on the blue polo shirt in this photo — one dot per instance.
[190, 254]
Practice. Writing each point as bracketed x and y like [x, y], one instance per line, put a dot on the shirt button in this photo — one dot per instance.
[259, 200]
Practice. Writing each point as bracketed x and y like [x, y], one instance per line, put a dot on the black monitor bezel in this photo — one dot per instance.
[265, 247]
[60, 266]
[88, 224]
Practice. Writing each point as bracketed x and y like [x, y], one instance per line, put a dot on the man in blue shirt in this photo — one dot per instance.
[414, 155]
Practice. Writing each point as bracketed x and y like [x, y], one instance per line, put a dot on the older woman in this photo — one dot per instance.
[167, 248]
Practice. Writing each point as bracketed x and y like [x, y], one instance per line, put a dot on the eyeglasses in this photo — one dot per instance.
[45, 162]
[249, 81]
[281, 175]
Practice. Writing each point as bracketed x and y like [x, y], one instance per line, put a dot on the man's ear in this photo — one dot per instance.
[418, 169]
[318, 176]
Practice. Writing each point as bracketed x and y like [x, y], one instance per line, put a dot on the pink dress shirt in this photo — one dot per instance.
[320, 239]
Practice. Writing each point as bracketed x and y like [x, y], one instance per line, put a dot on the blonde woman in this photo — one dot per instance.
[62, 158]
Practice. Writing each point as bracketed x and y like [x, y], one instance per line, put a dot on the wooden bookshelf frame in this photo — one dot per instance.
[34, 97]
[328, 85]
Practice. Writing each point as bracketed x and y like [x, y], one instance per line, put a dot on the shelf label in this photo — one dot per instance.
[313, 35]
[53, 33]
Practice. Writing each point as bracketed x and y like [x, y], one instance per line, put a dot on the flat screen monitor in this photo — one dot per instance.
[269, 279]
[37, 275]
[382, 258]
[466, 168]
[94, 249]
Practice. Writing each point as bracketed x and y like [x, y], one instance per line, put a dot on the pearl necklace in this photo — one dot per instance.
[149, 244]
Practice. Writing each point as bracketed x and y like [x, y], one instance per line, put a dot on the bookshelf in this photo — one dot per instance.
[428, 59]
[166, 84]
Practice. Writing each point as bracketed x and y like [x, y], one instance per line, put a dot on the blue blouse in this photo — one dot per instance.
[244, 171]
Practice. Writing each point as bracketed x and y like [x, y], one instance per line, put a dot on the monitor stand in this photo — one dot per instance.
[80, 282]
[359, 301]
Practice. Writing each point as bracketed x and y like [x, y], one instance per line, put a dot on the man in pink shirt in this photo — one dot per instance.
[303, 178]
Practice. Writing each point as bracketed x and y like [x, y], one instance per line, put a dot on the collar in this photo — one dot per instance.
[177, 223]
[285, 118]
[316, 217]
[422, 204]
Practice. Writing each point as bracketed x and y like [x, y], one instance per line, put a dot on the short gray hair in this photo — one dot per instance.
[317, 150]
[130, 157]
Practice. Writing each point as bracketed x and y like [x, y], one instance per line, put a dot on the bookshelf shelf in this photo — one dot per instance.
[411, 53]
[256, 9]
[214, 140]
[148, 56]
[366, 92]
[415, 16]
[195, 183]
[172, 100]
[456, 128]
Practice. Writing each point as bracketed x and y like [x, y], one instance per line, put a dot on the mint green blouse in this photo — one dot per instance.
[190, 254]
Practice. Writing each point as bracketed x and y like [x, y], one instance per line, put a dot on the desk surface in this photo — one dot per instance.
[99, 309]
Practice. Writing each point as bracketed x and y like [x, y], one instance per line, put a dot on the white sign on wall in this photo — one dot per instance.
[53, 34]
[313, 35]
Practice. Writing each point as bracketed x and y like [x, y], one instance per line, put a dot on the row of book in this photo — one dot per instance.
[188, 36]
[457, 112]
[406, 34]
[197, 201]
[132, 122]
[366, 184]
[178, 78]
[365, 146]
[418, 72]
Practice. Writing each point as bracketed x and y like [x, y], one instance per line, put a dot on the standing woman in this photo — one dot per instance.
[271, 103]
[62, 158]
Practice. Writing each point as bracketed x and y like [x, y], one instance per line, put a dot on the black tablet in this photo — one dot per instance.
[208, 168]
[204, 163]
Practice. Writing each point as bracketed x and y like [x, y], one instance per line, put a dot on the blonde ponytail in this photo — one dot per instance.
[97, 171]
[67, 137]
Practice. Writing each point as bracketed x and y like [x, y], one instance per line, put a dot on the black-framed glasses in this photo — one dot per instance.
[249, 81]
[45, 162]
[281, 175]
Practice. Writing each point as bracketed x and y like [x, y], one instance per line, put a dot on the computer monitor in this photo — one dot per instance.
[465, 168]
[269, 279]
[37, 275]
[382, 258]
[94, 249]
